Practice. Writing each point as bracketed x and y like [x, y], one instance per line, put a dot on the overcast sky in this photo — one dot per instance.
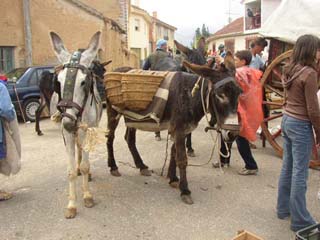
[187, 15]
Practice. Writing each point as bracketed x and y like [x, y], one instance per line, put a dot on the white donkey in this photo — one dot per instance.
[81, 108]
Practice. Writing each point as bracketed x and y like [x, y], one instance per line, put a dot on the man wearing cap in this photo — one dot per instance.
[155, 57]
[152, 60]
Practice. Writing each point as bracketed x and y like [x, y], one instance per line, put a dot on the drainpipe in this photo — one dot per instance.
[27, 30]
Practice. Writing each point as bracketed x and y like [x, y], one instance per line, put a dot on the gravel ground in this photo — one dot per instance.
[137, 207]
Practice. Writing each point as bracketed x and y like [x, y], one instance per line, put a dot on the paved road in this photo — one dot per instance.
[137, 207]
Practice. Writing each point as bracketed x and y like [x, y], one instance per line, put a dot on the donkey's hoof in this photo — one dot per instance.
[115, 173]
[40, 133]
[174, 184]
[78, 172]
[70, 213]
[145, 172]
[191, 153]
[88, 202]
[186, 199]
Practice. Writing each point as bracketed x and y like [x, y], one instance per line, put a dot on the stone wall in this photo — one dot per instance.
[74, 24]
[12, 28]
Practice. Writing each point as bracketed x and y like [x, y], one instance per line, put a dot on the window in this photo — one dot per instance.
[166, 34]
[6, 58]
[253, 15]
[159, 32]
[137, 24]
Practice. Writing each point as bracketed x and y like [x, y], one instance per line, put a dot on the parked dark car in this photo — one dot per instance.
[23, 86]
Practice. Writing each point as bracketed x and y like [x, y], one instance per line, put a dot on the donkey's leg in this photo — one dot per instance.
[113, 122]
[79, 159]
[182, 162]
[38, 113]
[85, 171]
[71, 210]
[190, 150]
[172, 171]
[130, 138]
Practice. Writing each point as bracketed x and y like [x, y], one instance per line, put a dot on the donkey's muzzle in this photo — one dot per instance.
[69, 125]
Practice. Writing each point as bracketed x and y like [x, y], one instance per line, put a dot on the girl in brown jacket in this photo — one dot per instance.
[301, 113]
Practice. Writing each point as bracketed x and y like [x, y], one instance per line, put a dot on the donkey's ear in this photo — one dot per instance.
[61, 52]
[229, 62]
[182, 48]
[202, 70]
[90, 53]
[106, 63]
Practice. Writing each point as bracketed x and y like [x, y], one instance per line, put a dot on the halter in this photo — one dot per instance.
[214, 87]
[67, 98]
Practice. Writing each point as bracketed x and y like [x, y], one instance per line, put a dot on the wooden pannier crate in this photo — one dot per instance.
[112, 83]
[138, 90]
[245, 235]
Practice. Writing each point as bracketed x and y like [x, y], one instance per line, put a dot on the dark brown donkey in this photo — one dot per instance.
[182, 115]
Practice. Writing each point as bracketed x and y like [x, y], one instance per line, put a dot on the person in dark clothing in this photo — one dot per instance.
[152, 60]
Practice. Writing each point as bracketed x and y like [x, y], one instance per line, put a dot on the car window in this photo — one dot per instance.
[33, 79]
[17, 73]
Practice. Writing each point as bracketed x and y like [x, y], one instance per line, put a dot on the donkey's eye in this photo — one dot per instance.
[83, 83]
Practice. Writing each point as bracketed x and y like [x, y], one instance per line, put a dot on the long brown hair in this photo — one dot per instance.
[304, 52]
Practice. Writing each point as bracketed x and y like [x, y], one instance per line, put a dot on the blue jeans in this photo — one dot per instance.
[297, 146]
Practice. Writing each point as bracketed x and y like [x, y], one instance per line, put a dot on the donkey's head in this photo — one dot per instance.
[223, 94]
[193, 55]
[75, 79]
[99, 68]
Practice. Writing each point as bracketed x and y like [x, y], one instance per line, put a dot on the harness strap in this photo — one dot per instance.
[223, 82]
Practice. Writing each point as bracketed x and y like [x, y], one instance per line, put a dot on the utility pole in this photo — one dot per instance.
[27, 30]
[229, 12]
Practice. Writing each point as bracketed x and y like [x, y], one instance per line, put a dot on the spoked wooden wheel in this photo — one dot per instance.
[271, 81]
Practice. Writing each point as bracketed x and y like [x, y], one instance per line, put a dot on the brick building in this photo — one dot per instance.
[24, 30]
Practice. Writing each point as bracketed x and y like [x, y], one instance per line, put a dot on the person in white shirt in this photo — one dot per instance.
[257, 46]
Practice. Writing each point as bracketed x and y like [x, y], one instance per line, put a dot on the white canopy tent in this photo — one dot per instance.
[292, 19]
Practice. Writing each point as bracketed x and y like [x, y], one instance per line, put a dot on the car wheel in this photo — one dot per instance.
[29, 109]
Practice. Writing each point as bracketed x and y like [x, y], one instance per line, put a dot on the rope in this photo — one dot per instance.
[218, 132]
[56, 117]
[211, 155]
[94, 136]
[166, 158]
[196, 87]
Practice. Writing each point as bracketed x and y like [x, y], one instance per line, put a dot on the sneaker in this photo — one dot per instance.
[158, 138]
[245, 171]
[252, 145]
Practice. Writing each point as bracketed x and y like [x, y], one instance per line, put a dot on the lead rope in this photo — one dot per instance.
[196, 87]
[166, 158]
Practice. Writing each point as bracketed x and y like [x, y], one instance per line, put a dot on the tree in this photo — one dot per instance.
[204, 32]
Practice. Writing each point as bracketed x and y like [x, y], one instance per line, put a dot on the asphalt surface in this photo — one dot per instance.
[137, 207]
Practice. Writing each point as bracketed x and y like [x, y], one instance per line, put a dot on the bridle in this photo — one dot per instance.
[67, 97]
[206, 105]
